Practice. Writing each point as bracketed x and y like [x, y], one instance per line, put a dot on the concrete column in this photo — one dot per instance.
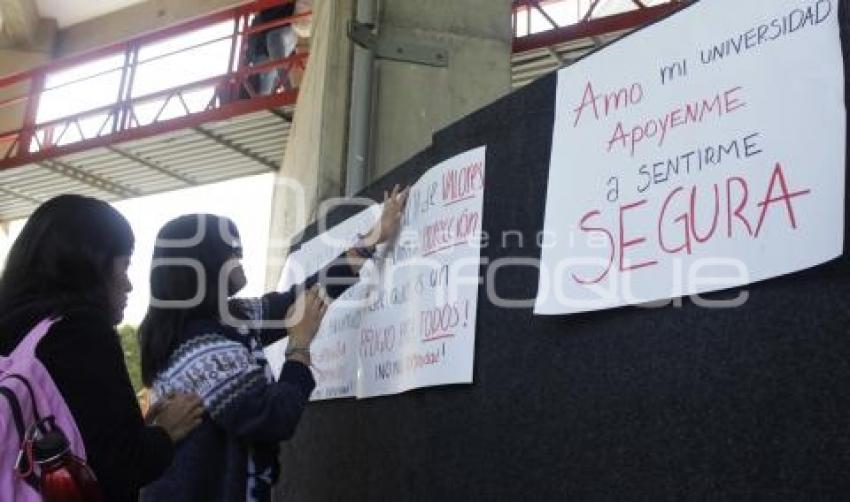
[313, 164]
[18, 22]
[413, 101]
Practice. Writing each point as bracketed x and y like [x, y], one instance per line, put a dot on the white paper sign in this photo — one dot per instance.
[701, 153]
[320, 251]
[410, 321]
[329, 352]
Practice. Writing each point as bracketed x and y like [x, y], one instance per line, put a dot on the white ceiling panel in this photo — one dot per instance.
[68, 12]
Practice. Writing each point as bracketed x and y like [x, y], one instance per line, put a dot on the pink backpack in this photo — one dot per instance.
[30, 404]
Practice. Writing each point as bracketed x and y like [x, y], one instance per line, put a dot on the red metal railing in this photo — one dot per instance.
[135, 112]
[586, 23]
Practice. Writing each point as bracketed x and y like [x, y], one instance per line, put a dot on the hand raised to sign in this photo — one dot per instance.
[389, 223]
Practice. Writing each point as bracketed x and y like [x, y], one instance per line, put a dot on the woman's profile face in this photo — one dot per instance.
[119, 287]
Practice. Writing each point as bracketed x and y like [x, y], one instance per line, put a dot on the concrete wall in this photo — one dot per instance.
[413, 101]
[17, 57]
[14, 61]
[19, 22]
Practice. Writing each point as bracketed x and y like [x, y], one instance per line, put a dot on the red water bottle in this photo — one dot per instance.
[64, 477]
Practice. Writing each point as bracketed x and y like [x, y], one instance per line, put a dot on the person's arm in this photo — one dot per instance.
[85, 359]
[235, 390]
[384, 230]
[234, 387]
[263, 411]
[336, 277]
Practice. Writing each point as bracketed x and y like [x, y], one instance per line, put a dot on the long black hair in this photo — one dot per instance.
[179, 291]
[65, 255]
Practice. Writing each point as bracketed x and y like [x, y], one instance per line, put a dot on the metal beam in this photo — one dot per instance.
[405, 49]
[589, 13]
[545, 14]
[236, 148]
[230, 110]
[286, 117]
[596, 27]
[90, 179]
[554, 55]
[20, 195]
[151, 165]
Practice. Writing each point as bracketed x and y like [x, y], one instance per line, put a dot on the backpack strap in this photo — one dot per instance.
[26, 383]
[26, 349]
[18, 417]
[17, 413]
[27, 346]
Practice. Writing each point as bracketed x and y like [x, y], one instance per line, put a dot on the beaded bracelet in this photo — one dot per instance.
[294, 350]
[362, 250]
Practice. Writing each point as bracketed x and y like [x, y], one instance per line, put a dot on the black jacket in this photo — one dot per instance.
[84, 357]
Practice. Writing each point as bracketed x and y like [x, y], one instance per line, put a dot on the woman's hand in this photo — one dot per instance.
[304, 316]
[389, 223]
[178, 414]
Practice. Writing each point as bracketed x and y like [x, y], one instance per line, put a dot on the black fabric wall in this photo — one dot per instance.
[632, 403]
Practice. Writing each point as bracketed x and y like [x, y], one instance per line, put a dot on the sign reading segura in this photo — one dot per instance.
[701, 153]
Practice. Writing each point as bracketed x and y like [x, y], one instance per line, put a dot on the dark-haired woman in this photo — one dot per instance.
[70, 261]
[194, 340]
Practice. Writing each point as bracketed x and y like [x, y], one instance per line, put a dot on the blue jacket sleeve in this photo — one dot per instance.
[269, 412]
[235, 390]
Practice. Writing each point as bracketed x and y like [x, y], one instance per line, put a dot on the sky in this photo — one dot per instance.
[247, 201]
